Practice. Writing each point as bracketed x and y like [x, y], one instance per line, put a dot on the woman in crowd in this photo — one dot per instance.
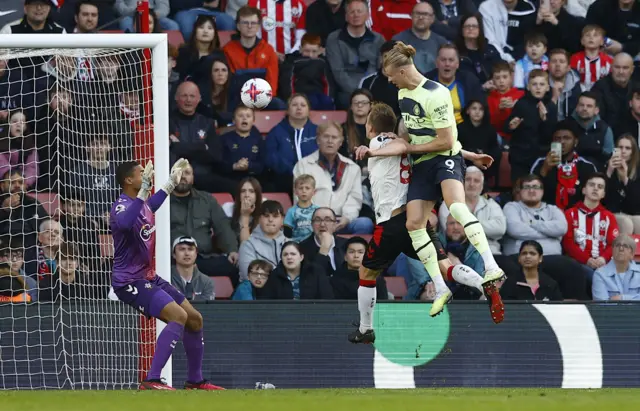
[194, 57]
[623, 187]
[295, 279]
[243, 211]
[529, 283]
[476, 54]
[289, 141]
[18, 148]
[354, 130]
[214, 91]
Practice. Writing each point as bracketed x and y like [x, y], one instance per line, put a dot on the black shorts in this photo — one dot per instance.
[427, 175]
[390, 239]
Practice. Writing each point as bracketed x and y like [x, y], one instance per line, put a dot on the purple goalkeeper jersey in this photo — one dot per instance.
[133, 229]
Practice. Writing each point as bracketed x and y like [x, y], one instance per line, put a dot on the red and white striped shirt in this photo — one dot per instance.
[590, 233]
[281, 21]
[591, 70]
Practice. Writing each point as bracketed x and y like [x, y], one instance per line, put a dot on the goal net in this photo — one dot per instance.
[72, 108]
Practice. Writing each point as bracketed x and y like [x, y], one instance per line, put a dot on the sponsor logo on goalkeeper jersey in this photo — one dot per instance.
[146, 231]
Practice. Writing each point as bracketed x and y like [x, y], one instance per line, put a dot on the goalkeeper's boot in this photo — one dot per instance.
[203, 385]
[496, 306]
[367, 337]
[439, 302]
[155, 385]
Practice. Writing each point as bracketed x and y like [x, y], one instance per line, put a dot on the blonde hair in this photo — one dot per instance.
[400, 55]
[304, 178]
[322, 128]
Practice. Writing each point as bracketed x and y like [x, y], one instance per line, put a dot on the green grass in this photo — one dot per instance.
[326, 400]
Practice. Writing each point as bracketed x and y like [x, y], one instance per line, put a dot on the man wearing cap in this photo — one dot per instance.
[37, 19]
[185, 275]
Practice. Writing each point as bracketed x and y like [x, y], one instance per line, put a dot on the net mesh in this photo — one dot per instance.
[68, 117]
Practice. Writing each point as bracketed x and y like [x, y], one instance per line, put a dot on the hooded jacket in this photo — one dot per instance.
[259, 247]
[300, 74]
[481, 139]
[314, 284]
[495, 18]
[568, 99]
[546, 224]
[590, 232]
[595, 143]
[285, 146]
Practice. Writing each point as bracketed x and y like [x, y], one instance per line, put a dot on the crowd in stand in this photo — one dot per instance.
[551, 83]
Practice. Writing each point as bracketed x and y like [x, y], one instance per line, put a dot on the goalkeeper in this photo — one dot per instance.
[134, 281]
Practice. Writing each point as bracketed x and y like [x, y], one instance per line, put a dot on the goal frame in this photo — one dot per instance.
[157, 133]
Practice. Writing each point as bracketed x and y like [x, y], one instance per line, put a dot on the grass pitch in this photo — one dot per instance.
[326, 400]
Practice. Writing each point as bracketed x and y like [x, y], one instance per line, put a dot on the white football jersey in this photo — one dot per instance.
[389, 178]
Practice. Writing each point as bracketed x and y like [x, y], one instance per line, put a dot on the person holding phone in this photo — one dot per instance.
[623, 187]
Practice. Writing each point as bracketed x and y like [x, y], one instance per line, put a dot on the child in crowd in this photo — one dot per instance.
[502, 98]
[346, 280]
[536, 47]
[258, 272]
[243, 148]
[592, 63]
[297, 222]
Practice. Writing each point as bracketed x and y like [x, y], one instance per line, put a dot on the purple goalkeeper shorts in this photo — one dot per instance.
[149, 297]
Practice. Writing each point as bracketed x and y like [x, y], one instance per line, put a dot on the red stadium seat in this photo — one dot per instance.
[319, 117]
[175, 38]
[282, 198]
[266, 120]
[222, 198]
[636, 238]
[225, 36]
[367, 237]
[50, 202]
[504, 178]
[224, 288]
[396, 286]
[106, 245]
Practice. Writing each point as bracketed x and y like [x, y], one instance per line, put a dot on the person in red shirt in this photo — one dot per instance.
[591, 227]
[502, 98]
[390, 17]
[592, 63]
[283, 23]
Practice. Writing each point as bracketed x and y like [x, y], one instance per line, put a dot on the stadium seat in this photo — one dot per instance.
[396, 286]
[282, 198]
[504, 178]
[225, 36]
[224, 288]
[367, 237]
[50, 202]
[223, 198]
[636, 238]
[106, 245]
[266, 120]
[175, 38]
[319, 117]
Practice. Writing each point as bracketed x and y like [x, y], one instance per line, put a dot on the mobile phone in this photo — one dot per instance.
[616, 152]
[556, 148]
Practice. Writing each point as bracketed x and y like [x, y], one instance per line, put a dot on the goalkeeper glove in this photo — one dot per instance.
[147, 182]
[176, 175]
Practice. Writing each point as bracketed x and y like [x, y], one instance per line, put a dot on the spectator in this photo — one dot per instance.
[195, 57]
[615, 90]
[631, 124]
[389, 17]
[463, 85]
[15, 94]
[592, 63]
[619, 279]
[104, 16]
[86, 17]
[289, 141]
[307, 72]
[592, 228]
[245, 210]
[623, 187]
[535, 46]
[506, 22]
[476, 54]
[250, 56]
[68, 282]
[422, 38]
[186, 276]
[80, 229]
[324, 248]
[174, 76]
[486, 210]
[619, 19]
[259, 272]
[354, 128]
[216, 101]
[12, 286]
[532, 219]
[283, 25]
[449, 14]
[297, 222]
[18, 149]
[353, 51]
[127, 9]
[193, 136]
[564, 83]
[296, 279]
[154, 26]
[243, 152]
[266, 240]
[346, 280]
[187, 16]
[530, 283]
[531, 123]
[12, 253]
[595, 141]
[502, 98]
[324, 17]
[476, 134]
[559, 26]
[379, 85]
[196, 214]
[563, 176]
[338, 180]
[41, 259]
[37, 19]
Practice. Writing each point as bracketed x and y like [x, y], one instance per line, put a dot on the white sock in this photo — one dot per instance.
[441, 285]
[465, 275]
[489, 262]
[366, 302]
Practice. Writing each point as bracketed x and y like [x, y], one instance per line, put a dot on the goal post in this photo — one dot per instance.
[151, 142]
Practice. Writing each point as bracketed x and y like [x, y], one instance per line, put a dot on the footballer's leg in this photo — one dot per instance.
[366, 304]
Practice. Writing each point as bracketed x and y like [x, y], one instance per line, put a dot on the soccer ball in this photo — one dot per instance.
[256, 93]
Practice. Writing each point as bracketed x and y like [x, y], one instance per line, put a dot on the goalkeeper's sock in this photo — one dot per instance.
[167, 341]
[194, 348]
[366, 303]
[428, 256]
[465, 275]
[475, 233]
